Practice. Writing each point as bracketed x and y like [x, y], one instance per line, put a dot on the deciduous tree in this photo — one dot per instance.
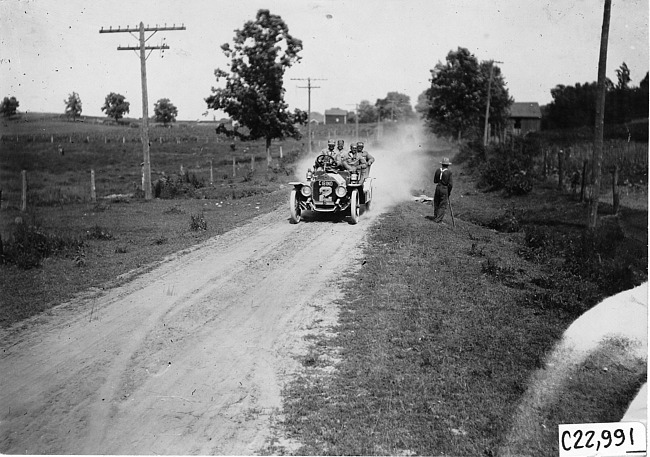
[165, 111]
[458, 94]
[9, 106]
[115, 106]
[367, 112]
[73, 106]
[253, 95]
[395, 106]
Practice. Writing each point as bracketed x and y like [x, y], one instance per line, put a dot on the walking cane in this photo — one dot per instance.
[451, 211]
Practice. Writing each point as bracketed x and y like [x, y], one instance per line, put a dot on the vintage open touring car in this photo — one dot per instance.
[328, 189]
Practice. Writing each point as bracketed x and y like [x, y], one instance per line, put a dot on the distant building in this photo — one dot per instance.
[317, 118]
[336, 116]
[525, 117]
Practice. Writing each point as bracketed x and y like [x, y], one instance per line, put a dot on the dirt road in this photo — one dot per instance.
[187, 359]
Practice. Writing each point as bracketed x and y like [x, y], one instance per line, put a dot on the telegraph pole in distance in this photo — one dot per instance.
[356, 119]
[487, 108]
[309, 87]
[145, 102]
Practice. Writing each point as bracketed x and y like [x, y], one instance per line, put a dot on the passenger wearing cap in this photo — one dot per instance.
[340, 144]
[350, 161]
[365, 159]
[444, 181]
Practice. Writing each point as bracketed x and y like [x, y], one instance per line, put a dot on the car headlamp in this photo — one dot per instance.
[309, 174]
[354, 176]
[305, 191]
[341, 191]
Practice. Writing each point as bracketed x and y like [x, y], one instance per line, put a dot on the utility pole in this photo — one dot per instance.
[356, 119]
[309, 87]
[600, 116]
[146, 182]
[487, 107]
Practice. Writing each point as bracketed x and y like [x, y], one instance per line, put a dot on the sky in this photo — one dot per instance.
[353, 50]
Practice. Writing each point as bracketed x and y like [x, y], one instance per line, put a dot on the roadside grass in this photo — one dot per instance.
[118, 238]
[441, 328]
[109, 240]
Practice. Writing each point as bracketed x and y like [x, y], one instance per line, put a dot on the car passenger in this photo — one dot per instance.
[350, 161]
[340, 144]
[365, 159]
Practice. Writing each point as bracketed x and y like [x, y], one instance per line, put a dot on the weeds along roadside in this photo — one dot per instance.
[441, 329]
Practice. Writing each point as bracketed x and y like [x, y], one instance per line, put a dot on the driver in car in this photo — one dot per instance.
[329, 151]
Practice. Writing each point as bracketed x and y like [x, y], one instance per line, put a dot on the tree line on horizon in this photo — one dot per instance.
[454, 105]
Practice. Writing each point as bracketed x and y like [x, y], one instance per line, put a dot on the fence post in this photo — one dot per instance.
[211, 174]
[545, 165]
[615, 195]
[584, 180]
[93, 194]
[280, 151]
[23, 200]
[560, 170]
[51, 138]
[182, 171]
[252, 162]
[234, 167]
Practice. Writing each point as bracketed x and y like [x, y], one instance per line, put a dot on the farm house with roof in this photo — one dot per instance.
[336, 116]
[525, 117]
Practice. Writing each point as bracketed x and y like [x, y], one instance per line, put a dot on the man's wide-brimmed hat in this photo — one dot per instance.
[445, 161]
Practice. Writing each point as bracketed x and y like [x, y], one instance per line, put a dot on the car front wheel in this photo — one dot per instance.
[354, 206]
[294, 207]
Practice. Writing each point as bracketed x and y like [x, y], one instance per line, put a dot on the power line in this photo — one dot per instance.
[146, 181]
[309, 87]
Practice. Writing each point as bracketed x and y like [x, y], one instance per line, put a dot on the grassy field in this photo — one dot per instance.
[440, 327]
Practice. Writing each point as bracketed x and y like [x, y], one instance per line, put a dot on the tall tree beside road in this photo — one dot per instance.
[9, 106]
[395, 107]
[115, 106]
[73, 106]
[164, 111]
[254, 94]
[458, 95]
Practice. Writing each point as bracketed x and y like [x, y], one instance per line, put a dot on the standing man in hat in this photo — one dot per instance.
[444, 181]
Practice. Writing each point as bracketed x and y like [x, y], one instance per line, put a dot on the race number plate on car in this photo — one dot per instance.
[602, 439]
[326, 183]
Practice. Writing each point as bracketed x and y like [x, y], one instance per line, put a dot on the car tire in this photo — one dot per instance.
[294, 207]
[354, 206]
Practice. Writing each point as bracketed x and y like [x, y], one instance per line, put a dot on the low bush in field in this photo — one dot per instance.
[30, 244]
[176, 186]
[510, 166]
[98, 233]
[198, 222]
